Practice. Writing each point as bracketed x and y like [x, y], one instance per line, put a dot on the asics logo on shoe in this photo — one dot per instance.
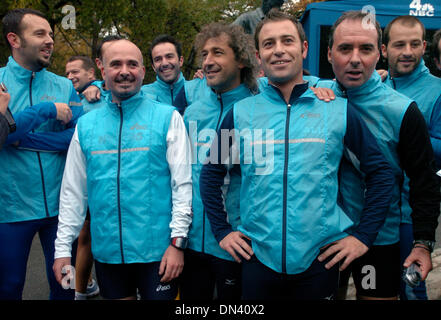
[163, 288]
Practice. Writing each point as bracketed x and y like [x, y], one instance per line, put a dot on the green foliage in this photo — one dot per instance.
[140, 20]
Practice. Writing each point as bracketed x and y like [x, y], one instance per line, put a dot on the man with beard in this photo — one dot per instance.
[403, 47]
[130, 161]
[29, 188]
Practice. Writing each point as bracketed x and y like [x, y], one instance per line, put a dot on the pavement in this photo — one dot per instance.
[36, 287]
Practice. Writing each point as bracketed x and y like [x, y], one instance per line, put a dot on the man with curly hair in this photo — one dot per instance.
[230, 68]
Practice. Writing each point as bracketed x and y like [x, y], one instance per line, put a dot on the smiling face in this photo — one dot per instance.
[33, 47]
[79, 76]
[166, 62]
[219, 64]
[281, 52]
[405, 49]
[123, 69]
[354, 53]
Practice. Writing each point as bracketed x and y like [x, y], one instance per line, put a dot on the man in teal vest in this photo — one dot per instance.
[404, 46]
[293, 238]
[402, 135]
[130, 162]
[230, 71]
[34, 155]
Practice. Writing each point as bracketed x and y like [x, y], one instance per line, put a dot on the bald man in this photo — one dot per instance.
[129, 160]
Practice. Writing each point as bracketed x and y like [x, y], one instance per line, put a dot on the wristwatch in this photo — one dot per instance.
[179, 242]
[429, 244]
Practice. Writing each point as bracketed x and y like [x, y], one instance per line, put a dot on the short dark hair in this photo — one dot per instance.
[435, 48]
[409, 21]
[11, 22]
[277, 15]
[110, 38]
[87, 61]
[353, 15]
[165, 38]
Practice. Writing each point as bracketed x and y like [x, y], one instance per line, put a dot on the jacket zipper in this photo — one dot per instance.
[285, 187]
[38, 153]
[219, 97]
[118, 186]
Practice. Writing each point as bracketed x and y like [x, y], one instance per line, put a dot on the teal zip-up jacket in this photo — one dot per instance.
[30, 185]
[202, 120]
[425, 89]
[383, 109]
[174, 94]
[289, 160]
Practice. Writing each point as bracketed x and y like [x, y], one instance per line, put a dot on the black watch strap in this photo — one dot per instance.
[427, 243]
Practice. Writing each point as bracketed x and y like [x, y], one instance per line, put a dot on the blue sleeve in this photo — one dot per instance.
[211, 181]
[55, 141]
[31, 118]
[180, 102]
[435, 131]
[379, 178]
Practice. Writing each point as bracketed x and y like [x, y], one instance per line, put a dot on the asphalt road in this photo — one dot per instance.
[36, 287]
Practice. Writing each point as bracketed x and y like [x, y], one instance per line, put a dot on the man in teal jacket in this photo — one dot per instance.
[230, 72]
[170, 86]
[129, 161]
[403, 138]
[404, 46]
[35, 158]
[293, 238]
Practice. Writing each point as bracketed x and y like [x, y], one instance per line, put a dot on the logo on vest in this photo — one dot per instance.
[310, 115]
[45, 97]
[137, 126]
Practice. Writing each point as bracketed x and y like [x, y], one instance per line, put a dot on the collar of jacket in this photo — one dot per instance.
[126, 105]
[366, 88]
[21, 73]
[232, 96]
[177, 84]
[299, 91]
[420, 70]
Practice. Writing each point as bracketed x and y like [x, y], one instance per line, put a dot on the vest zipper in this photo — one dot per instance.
[38, 153]
[285, 187]
[393, 81]
[118, 183]
[171, 92]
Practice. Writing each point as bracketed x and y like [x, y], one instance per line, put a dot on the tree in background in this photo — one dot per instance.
[139, 20]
